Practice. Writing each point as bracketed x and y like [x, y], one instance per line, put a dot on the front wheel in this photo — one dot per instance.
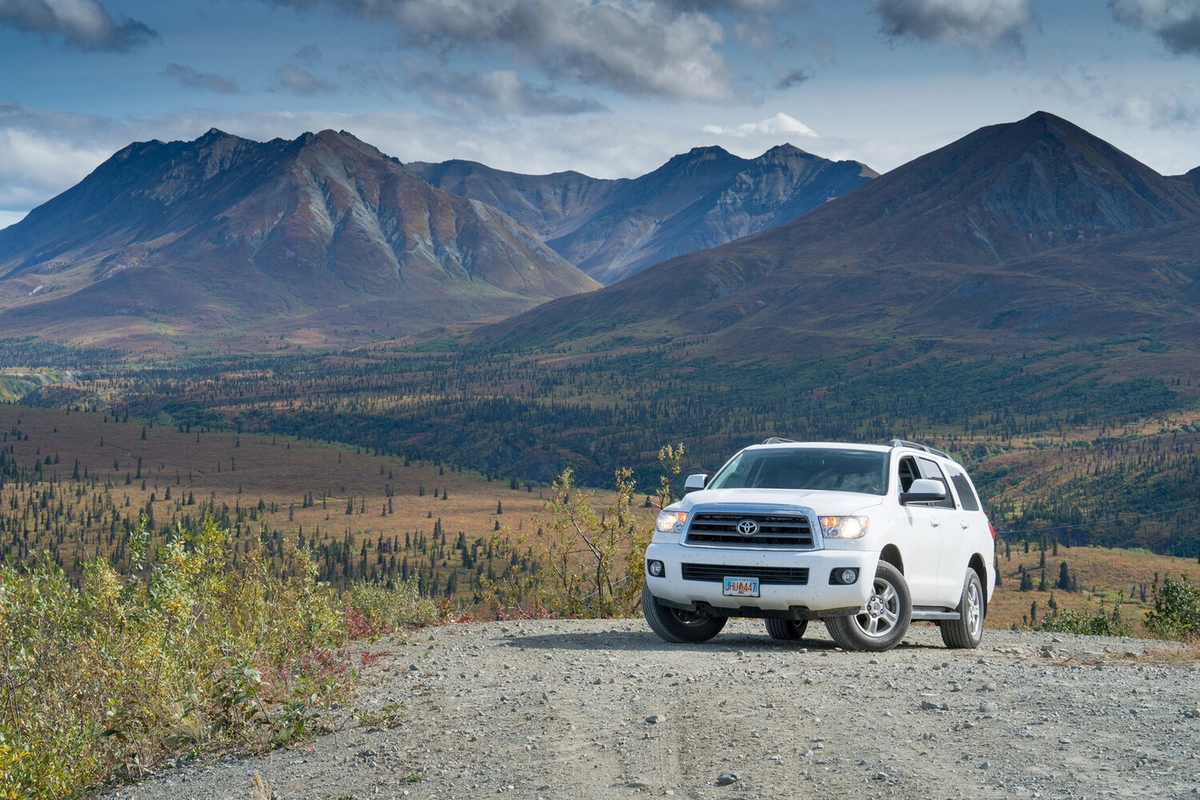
[675, 625]
[787, 630]
[967, 631]
[883, 621]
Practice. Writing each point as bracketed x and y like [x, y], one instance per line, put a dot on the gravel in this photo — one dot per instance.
[604, 709]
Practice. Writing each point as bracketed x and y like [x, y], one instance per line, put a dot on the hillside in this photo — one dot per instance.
[612, 229]
[1013, 234]
[323, 237]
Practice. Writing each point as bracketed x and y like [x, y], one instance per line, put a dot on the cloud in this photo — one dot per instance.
[499, 91]
[779, 125]
[648, 48]
[309, 54]
[300, 82]
[793, 77]
[721, 5]
[1175, 22]
[83, 24]
[45, 152]
[981, 24]
[191, 79]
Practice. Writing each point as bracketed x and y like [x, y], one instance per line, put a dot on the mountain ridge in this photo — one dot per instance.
[702, 198]
[983, 219]
[222, 232]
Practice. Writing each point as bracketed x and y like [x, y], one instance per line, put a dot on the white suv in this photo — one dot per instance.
[865, 537]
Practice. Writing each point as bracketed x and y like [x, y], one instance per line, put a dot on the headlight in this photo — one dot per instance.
[844, 527]
[670, 522]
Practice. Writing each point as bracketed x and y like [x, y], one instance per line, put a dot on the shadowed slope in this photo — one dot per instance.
[700, 199]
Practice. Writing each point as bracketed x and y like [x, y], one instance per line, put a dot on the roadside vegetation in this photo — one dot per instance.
[103, 679]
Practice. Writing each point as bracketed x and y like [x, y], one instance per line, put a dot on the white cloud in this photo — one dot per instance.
[83, 24]
[1175, 22]
[43, 153]
[983, 24]
[654, 48]
[779, 125]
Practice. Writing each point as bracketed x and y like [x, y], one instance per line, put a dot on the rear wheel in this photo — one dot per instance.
[786, 629]
[675, 625]
[967, 631]
[883, 621]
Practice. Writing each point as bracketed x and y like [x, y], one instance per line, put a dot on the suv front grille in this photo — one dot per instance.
[716, 573]
[774, 530]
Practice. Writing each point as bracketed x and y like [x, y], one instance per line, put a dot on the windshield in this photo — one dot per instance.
[831, 470]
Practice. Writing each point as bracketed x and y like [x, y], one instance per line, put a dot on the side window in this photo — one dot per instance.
[931, 471]
[908, 473]
[965, 494]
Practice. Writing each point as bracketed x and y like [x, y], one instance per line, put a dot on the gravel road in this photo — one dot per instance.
[604, 709]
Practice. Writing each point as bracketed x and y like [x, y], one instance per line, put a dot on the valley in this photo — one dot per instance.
[75, 483]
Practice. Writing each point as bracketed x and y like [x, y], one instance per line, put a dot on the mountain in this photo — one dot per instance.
[1189, 181]
[615, 228]
[1024, 229]
[227, 236]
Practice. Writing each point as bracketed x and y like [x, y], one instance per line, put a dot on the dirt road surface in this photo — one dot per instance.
[604, 709]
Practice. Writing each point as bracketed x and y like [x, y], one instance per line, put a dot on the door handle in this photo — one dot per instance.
[934, 523]
[964, 525]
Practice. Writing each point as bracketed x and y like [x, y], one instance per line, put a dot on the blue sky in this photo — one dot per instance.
[607, 87]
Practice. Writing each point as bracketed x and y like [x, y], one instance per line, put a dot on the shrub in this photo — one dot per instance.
[99, 682]
[1176, 613]
[1097, 623]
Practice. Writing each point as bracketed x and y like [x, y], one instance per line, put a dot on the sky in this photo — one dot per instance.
[611, 88]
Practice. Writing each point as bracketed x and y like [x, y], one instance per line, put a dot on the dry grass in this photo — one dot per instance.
[1101, 574]
[228, 469]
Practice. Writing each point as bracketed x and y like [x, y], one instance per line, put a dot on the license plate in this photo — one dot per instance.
[740, 587]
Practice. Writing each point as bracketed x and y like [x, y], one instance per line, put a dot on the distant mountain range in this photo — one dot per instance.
[1014, 236]
[316, 237]
[612, 229]
[1034, 229]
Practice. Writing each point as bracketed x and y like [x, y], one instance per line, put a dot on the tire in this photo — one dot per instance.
[679, 627]
[966, 632]
[786, 629]
[883, 621]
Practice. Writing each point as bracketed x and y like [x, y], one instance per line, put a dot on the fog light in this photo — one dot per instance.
[844, 577]
[656, 568]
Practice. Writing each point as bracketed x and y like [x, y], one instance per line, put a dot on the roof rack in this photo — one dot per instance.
[778, 440]
[916, 446]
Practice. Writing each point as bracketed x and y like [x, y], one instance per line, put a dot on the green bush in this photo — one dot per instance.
[1097, 623]
[1176, 613]
[100, 681]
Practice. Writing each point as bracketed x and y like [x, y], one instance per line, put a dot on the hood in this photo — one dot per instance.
[822, 502]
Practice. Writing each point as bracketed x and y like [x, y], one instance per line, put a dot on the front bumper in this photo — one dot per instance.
[815, 598]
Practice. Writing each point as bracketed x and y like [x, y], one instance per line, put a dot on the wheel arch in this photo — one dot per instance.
[891, 554]
[977, 563]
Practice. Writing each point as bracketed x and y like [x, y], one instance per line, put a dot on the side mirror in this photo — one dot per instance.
[923, 491]
[694, 483]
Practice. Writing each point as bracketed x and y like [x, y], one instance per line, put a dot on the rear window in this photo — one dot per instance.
[811, 468]
[965, 493]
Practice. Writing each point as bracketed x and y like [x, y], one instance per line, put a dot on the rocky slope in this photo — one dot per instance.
[602, 709]
[224, 234]
[700, 199]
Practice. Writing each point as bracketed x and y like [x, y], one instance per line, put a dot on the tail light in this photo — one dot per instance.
[992, 530]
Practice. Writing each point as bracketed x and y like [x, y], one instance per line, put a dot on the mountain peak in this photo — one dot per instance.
[787, 149]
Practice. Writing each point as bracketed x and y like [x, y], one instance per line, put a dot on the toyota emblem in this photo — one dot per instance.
[747, 527]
